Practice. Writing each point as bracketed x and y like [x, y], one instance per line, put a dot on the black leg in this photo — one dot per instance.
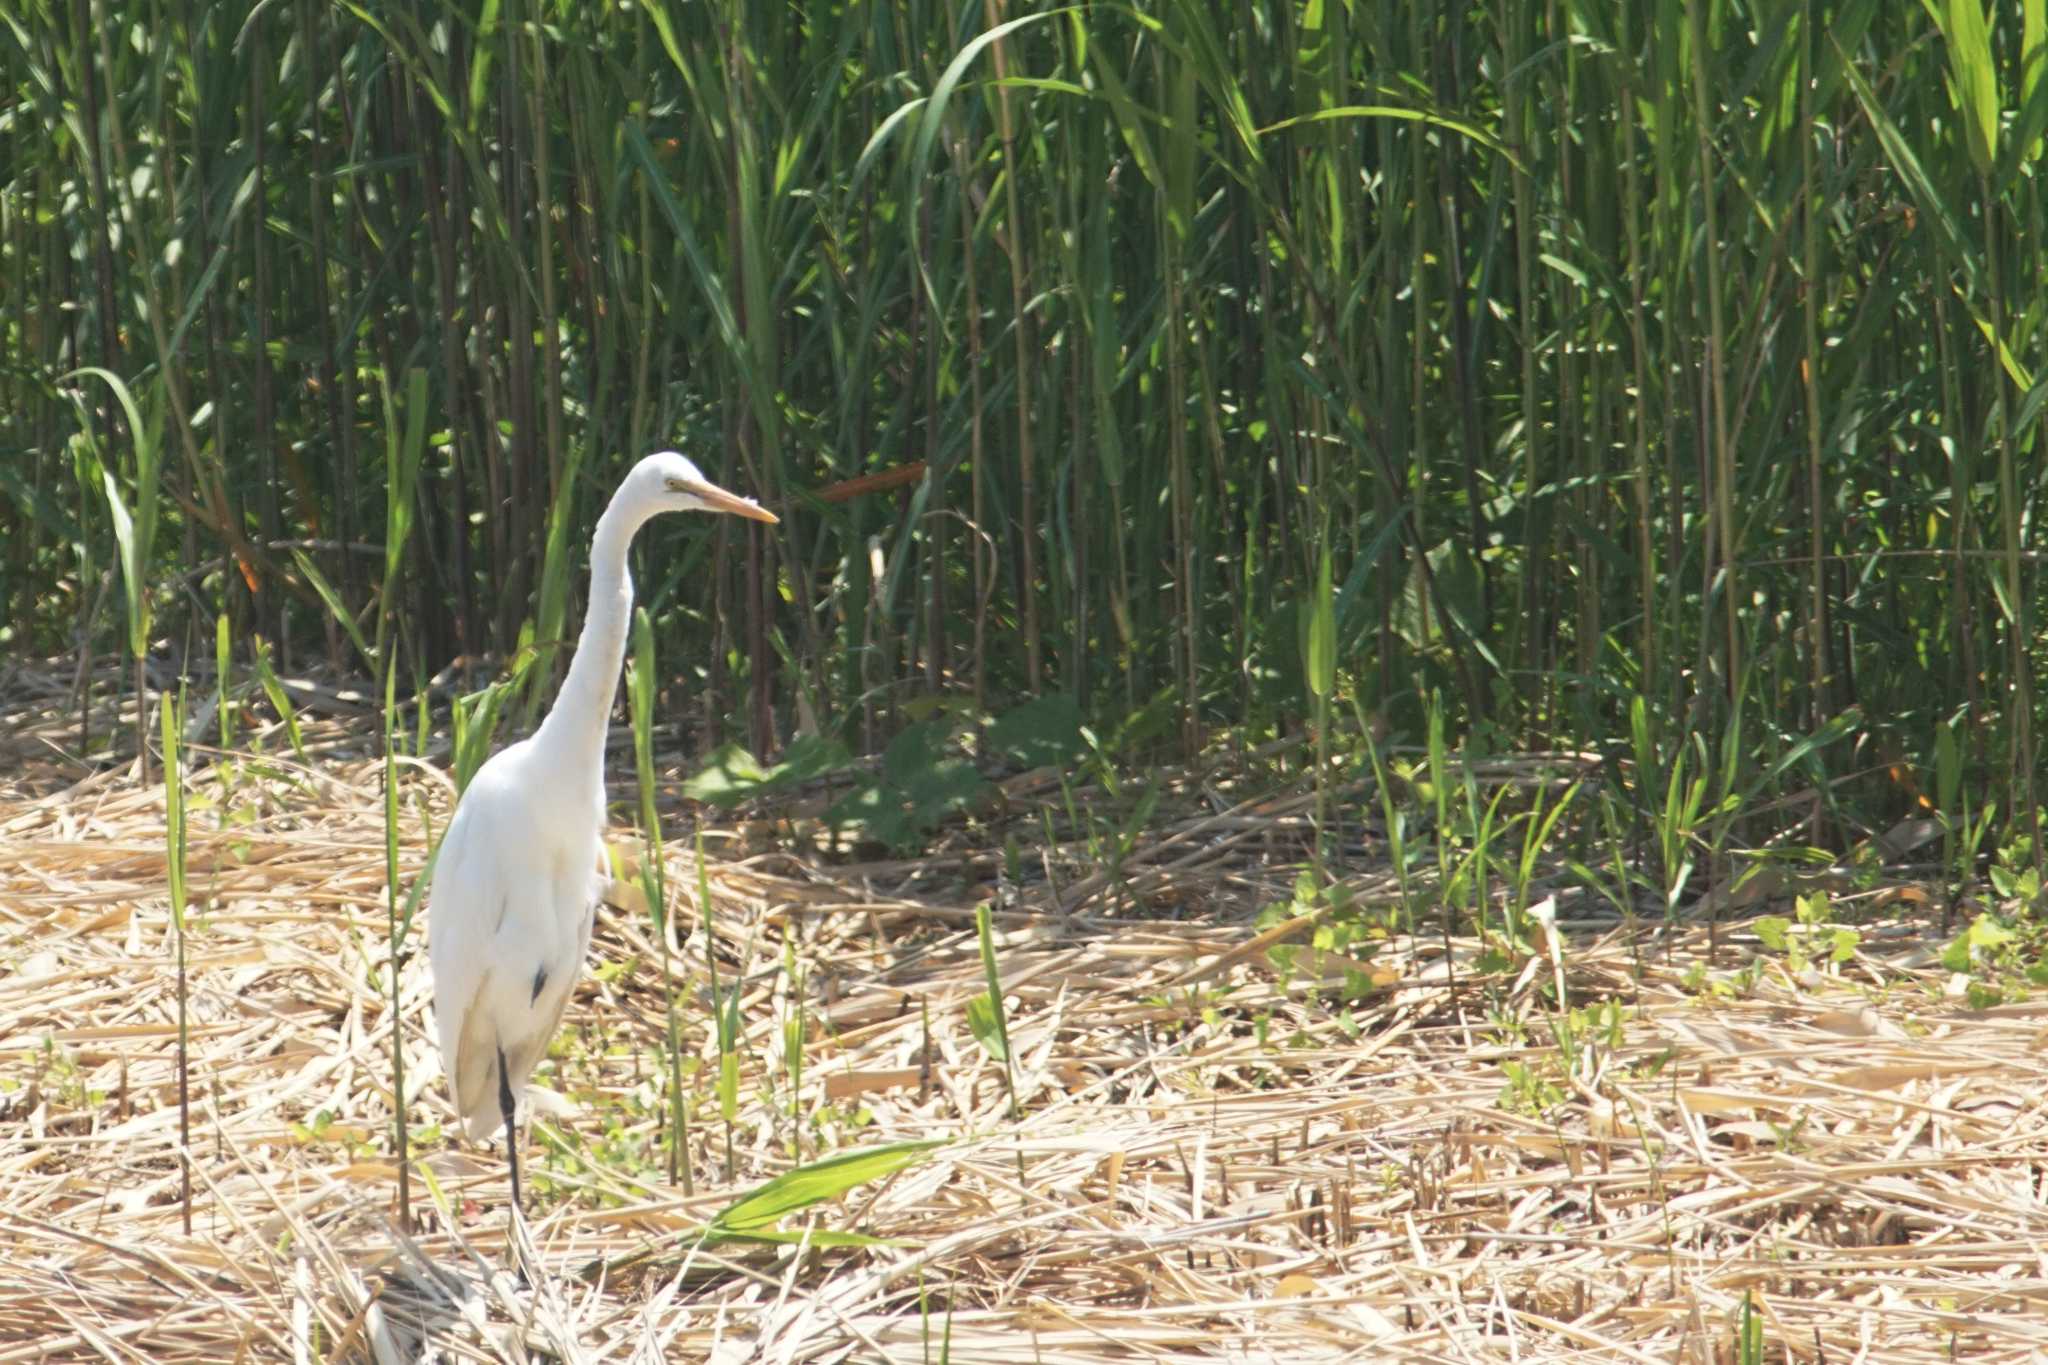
[511, 1132]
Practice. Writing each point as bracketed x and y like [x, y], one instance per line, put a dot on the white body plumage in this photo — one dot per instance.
[515, 891]
[519, 873]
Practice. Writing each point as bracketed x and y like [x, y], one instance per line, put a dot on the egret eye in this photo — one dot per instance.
[676, 485]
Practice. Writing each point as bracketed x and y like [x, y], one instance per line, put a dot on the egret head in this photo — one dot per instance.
[669, 482]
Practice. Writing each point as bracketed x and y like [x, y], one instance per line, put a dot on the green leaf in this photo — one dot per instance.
[403, 456]
[1976, 79]
[552, 608]
[916, 751]
[756, 1213]
[1129, 117]
[902, 114]
[485, 44]
[335, 606]
[729, 776]
[877, 809]
[2033, 62]
[1987, 933]
[640, 700]
[664, 27]
[1044, 731]
[1749, 1338]
[709, 283]
[932, 117]
[1906, 163]
[274, 690]
[2015, 369]
[1773, 930]
[122, 393]
[1956, 957]
[1948, 767]
[992, 999]
[947, 786]
[1393, 111]
[984, 1021]
[131, 564]
[222, 661]
[1319, 654]
[418, 891]
[174, 804]
[391, 797]
[732, 774]
[476, 720]
[921, 783]
[134, 531]
[728, 1085]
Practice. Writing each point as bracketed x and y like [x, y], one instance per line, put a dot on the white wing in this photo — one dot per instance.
[508, 924]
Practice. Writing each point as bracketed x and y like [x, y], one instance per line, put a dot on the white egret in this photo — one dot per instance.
[517, 881]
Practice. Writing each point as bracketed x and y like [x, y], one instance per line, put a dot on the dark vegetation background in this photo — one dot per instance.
[1686, 352]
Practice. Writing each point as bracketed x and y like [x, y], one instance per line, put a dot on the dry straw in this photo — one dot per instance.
[1864, 1160]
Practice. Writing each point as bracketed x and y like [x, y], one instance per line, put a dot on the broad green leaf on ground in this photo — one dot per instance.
[1045, 730]
[878, 811]
[732, 774]
[946, 786]
[916, 751]
[755, 1214]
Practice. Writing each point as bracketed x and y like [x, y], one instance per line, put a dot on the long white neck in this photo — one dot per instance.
[573, 732]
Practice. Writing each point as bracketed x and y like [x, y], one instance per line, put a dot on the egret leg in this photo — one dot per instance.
[511, 1133]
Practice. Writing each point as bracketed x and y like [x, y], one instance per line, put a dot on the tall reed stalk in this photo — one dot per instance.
[174, 856]
[654, 881]
[395, 933]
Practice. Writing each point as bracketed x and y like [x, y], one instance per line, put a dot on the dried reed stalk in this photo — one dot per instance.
[1864, 1159]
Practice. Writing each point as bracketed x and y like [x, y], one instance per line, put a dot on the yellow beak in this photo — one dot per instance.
[718, 500]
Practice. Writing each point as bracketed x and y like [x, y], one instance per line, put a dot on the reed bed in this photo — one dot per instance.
[1690, 352]
[1849, 1165]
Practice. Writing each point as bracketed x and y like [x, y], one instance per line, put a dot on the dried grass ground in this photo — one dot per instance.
[1864, 1157]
